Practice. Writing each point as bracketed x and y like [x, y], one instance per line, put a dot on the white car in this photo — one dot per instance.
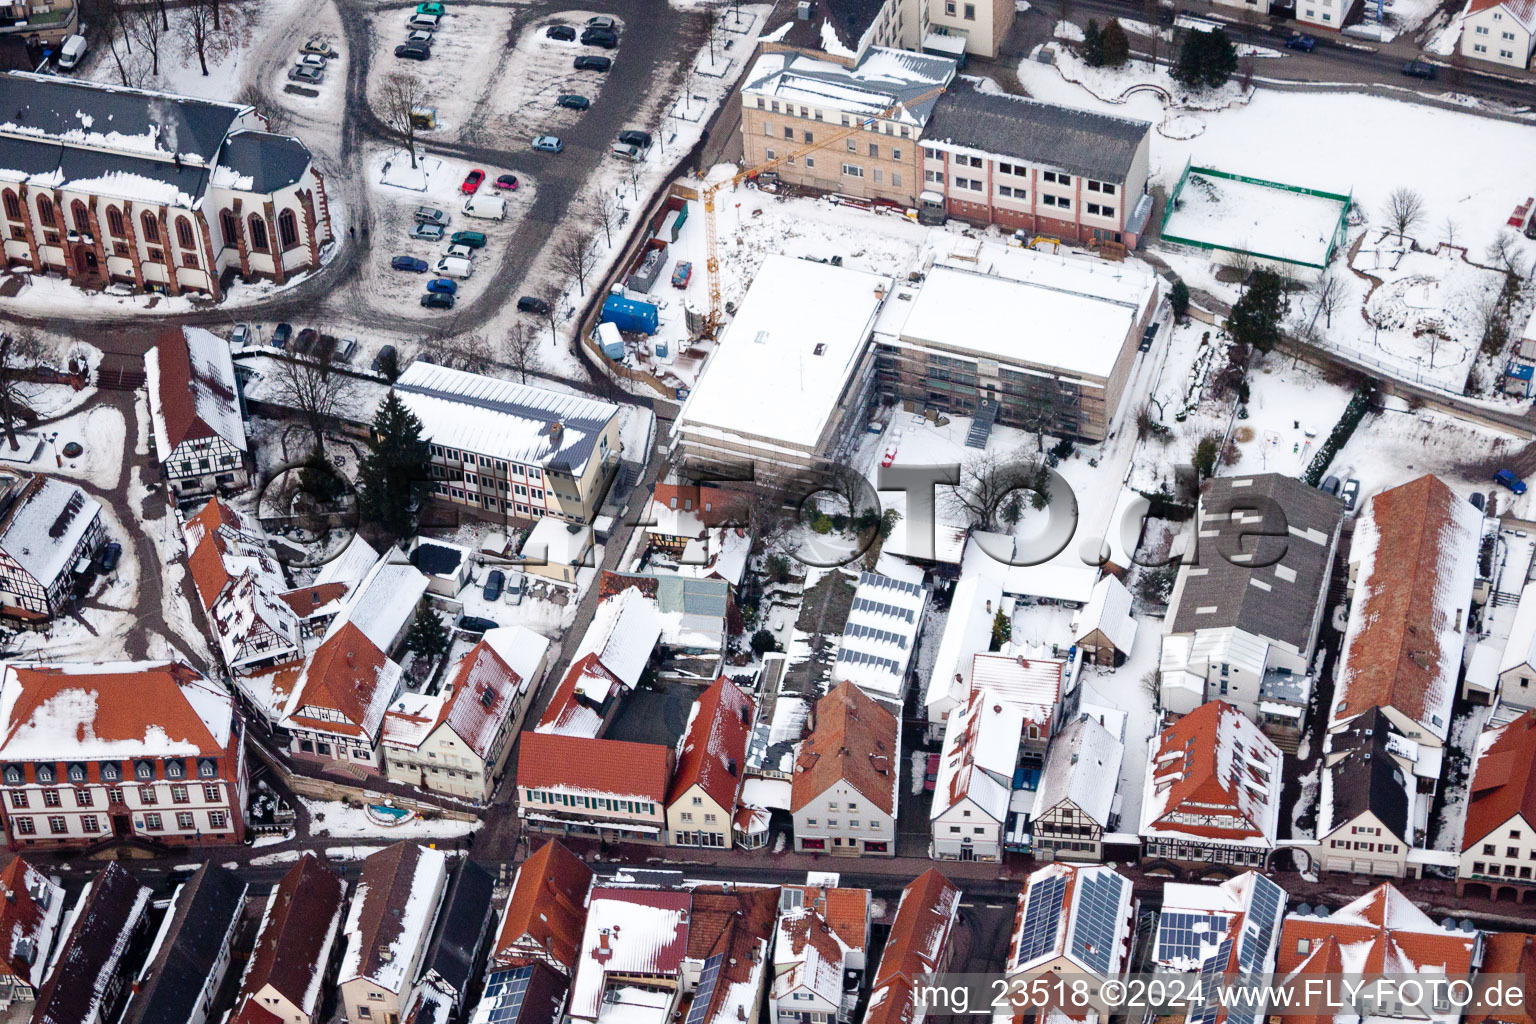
[311, 60]
[423, 21]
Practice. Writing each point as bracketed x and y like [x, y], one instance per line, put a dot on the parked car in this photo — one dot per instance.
[430, 215]
[493, 584]
[109, 555]
[419, 35]
[384, 355]
[1420, 69]
[429, 21]
[306, 341]
[472, 182]
[1478, 501]
[460, 252]
[1298, 41]
[635, 137]
[592, 62]
[625, 150]
[427, 232]
[314, 76]
[311, 60]
[281, 334]
[515, 588]
[443, 286]
[437, 300]
[1330, 486]
[529, 304]
[565, 33]
[413, 51]
[572, 101]
[1508, 479]
[475, 624]
[473, 239]
[599, 37]
[548, 143]
[431, 8]
[346, 349]
[453, 266]
[602, 21]
[240, 336]
[318, 46]
[1350, 494]
[411, 263]
[506, 183]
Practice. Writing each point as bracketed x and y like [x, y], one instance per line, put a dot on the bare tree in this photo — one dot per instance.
[1504, 253]
[574, 256]
[634, 172]
[606, 205]
[205, 35]
[277, 117]
[313, 387]
[521, 349]
[1405, 209]
[145, 28]
[986, 482]
[1242, 263]
[1329, 292]
[1449, 227]
[552, 299]
[20, 352]
[401, 96]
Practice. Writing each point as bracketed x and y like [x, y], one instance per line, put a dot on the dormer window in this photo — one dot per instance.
[110, 772]
[45, 773]
[143, 770]
[77, 773]
[13, 776]
[207, 769]
[175, 770]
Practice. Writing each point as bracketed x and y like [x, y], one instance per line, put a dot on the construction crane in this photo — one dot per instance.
[710, 190]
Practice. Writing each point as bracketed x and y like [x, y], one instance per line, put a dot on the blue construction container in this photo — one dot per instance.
[629, 315]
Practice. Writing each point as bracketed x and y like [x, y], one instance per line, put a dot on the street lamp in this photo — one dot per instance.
[53, 439]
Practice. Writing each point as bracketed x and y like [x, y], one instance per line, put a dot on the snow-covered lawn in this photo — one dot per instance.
[333, 818]
[519, 102]
[467, 52]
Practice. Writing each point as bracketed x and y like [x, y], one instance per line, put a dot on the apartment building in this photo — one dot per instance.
[1498, 844]
[845, 30]
[1499, 31]
[505, 451]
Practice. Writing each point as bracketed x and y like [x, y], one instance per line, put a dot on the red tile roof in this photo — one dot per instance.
[305, 601]
[1503, 779]
[22, 917]
[571, 712]
[1197, 771]
[302, 919]
[1523, 11]
[854, 740]
[547, 908]
[1381, 932]
[615, 767]
[917, 945]
[205, 554]
[846, 910]
[484, 689]
[713, 750]
[1503, 953]
[178, 399]
[344, 675]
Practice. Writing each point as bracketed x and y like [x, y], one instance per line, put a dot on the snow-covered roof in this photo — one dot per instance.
[1241, 917]
[45, 524]
[1520, 650]
[1082, 913]
[1082, 765]
[30, 914]
[557, 542]
[521, 648]
[981, 750]
[967, 632]
[107, 711]
[799, 355]
[382, 603]
[1214, 778]
[880, 635]
[240, 586]
[519, 423]
[1032, 685]
[1109, 612]
[884, 78]
[1377, 933]
[391, 916]
[712, 751]
[623, 634]
[192, 390]
[628, 931]
[808, 956]
[350, 565]
[1065, 578]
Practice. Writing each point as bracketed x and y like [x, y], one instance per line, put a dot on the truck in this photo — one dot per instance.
[71, 52]
[486, 207]
[630, 315]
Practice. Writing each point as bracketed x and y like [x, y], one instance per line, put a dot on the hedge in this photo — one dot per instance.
[1354, 412]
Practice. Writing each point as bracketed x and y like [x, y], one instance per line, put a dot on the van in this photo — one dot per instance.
[454, 266]
[72, 51]
[625, 150]
[486, 207]
[473, 239]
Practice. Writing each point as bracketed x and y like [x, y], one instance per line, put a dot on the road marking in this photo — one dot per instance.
[967, 906]
[996, 906]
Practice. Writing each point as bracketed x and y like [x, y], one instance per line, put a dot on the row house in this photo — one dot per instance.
[176, 193]
[698, 530]
[1073, 174]
[847, 911]
[49, 529]
[334, 716]
[1075, 920]
[452, 960]
[917, 948]
[30, 916]
[1499, 31]
[295, 946]
[1247, 607]
[609, 790]
[810, 961]
[195, 413]
[711, 766]
[1106, 627]
[388, 927]
[1230, 928]
[1370, 799]
[510, 452]
[88, 982]
[1517, 664]
[192, 951]
[844, 792]
[610, 661]
[184, 784]
[973, 608]
[1498, 841]
[546, 911]
[975, 782]
[458, 741]
[1212, 794]
[241, 589]
[1075, 802]
[843, 31]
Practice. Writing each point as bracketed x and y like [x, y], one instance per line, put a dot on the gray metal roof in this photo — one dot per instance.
[849, 19]
[271, 162]
[1278, 599]
[1080, 142]
[883, 78]
[110, 174]
[70, 110]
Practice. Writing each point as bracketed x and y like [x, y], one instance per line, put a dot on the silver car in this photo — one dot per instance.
[430, 215]
[427, 232]
[305, 74]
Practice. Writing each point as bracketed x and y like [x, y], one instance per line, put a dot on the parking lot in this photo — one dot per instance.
[538, 70]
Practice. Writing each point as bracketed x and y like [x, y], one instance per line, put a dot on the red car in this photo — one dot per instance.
[506, 183]
[472, 182]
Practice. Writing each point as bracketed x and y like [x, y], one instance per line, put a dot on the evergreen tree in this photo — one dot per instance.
[1092, 47]
[396, 474]
[1178, 298]
[1205, 455]
[428, 636]
[1002, 630]
[1256, 317]
[1114, 46]
[1206, 60]
[389, 364]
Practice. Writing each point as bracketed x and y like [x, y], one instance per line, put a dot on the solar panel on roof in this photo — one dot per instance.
[504, 992]
[1187, 935]
[1263, 913]
[706, 989]
[1042, 917]
[1210, 980]
[1098, 911]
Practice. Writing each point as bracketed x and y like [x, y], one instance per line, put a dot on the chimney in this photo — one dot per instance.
[803, 10]
[556, 431]
[989, 606]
